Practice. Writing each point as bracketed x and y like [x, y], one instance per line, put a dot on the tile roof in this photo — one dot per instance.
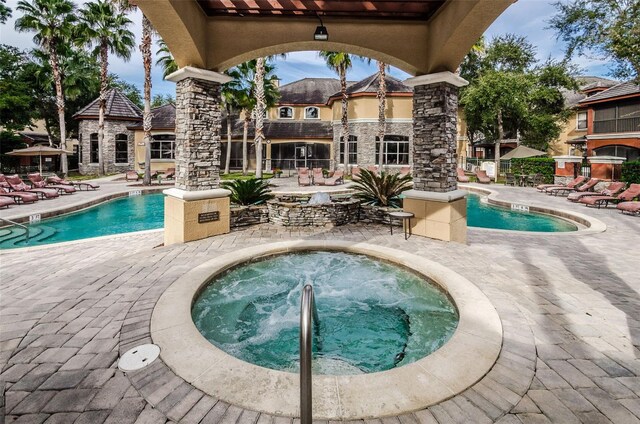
[572, 98]
[118, 106]
[618, 90]
[279, 129]
[163, 117]
[309, 91]
[370, 85]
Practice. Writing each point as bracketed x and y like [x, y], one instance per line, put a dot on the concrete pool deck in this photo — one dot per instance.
[569, 306]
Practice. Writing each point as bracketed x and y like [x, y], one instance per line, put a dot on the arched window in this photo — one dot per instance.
[93, 148]
[396, 150]
[628, 152]
[353, 149]
[311, 112]
[163, 146]
[285, 113]
[122, 148]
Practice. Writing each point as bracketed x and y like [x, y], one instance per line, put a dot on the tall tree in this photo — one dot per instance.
[165, 59]
[107, 29]
[382, 106]
[17, 90]
[341, 63]
[232, 103]
[145, 49]
[53, 22]
[261, 107]
[5, 12]
[608, 29]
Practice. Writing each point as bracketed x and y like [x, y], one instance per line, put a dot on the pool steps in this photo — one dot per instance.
[16, 237]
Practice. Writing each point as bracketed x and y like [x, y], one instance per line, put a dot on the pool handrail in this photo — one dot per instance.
[26, 229]
[308, 317]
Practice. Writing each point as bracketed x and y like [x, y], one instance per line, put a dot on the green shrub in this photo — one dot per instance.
[381, 190]
[631, 172]
[249, 192]
[529, 166]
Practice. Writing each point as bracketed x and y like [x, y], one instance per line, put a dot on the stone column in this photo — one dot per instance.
[437, 203]
[567, 168]
[197, 208]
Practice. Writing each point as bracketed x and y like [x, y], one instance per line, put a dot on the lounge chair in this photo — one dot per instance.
[404, 171]
[131, 176]
[38, 182]
[355, 173]
[631, 208]
[335, 179]
[573, 183]
[318, 176]
[615, 187]
[5, 202]
[16, 184]
[373, 169]
[169, 174]
[462, 178]
[629, 194]
[80, 184]
[482, 177]
[19, 196]
[588, 186]
[304, 179]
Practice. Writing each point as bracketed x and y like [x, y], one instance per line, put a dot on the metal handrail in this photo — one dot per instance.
[26, 229]
[308, 317]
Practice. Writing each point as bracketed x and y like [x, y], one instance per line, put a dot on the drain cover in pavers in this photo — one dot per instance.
[138, 357]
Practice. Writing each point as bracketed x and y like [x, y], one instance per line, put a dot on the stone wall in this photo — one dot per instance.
[377, 215]
[111, 128]
[435, 115]
[242, 216]
[198, 122]
[366, 133]
[305, 215]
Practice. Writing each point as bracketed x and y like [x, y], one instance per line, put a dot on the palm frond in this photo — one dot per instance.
[381, 190]
[254, 191]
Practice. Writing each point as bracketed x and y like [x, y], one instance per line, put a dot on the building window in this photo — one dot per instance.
[163, 146]
[122, 148]
[312, 113]
[285, 113]
[353, 149]
[93, 148]
[396, 150]
[627, 152]
[623, 117]
[582, 121]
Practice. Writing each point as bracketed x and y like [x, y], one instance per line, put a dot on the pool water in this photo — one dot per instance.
[123, 215]
[483, 215]
[146, 212]
[373, 316]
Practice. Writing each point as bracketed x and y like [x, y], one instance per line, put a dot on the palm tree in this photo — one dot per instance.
[165, 59]
[53, 21]
[382, 105]
[107, 29]
[341, 63]
[231, 104]
[145, 49]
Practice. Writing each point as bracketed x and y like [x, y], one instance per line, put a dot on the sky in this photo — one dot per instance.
[525, 17]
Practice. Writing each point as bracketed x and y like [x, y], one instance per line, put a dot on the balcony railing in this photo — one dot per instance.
[616, 125]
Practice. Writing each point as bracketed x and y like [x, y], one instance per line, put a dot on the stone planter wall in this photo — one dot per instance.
[378, 215]
[305, 215]
[242, 216]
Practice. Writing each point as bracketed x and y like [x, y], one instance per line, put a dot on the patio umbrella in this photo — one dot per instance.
[38, 150]
[523, 152]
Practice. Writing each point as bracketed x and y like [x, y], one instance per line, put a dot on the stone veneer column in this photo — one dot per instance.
[439, 207]
[197, 208]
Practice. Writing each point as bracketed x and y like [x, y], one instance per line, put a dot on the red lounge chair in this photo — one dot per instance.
[16, 184]
[629, 194]
[80, 184]
[355, 173]
[373, 169]
[19, 196]
[335, 179]
[573, 183]
[462, 178]
[5, 202]
[131, 176]
[38, 182]
[582, 189]
[631, 208]
[304, 179]
[404, 171]
[318, 176]
[483, 177]
[616, 187]
[169, 174]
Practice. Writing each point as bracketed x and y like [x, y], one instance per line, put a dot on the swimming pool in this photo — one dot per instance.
[146, 212]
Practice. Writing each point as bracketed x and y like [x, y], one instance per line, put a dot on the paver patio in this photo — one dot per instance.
[570, 307]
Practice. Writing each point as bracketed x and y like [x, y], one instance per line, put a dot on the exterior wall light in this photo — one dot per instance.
[321, 33]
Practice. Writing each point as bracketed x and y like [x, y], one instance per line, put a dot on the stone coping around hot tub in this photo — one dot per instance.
[461, 362]
[75, 207]
[591, 225]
